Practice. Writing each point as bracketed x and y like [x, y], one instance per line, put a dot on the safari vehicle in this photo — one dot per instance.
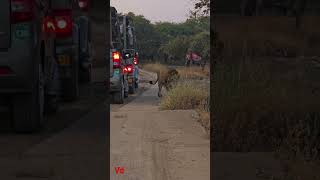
[85, 46]
[118, 82]
[66, 48]
[130, 56]
[131, 69]
[72, 45]
[28, 71]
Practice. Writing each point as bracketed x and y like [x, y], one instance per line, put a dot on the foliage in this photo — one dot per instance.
[148, 40]
[162, 39]
[201, 8]
[186, 95]
[176, 47]
[200, 44]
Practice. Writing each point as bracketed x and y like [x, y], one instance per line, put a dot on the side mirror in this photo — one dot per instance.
[126, 55]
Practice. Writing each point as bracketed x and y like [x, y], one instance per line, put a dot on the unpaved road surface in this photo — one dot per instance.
[149, 143]
[157, 145]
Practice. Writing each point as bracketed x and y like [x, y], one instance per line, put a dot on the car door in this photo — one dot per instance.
[5, 24]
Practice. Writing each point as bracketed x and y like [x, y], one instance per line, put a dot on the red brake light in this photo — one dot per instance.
[63, 22]
[128, 69]
[116, 59]
[21, 10]
[135, 60]
[5, 71]
[48, 25]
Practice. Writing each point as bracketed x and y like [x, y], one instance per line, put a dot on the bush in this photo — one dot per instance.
[185, 95]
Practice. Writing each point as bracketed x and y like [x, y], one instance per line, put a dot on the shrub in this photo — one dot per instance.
[185, 95]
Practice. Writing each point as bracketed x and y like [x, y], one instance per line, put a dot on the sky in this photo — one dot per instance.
[156, 10]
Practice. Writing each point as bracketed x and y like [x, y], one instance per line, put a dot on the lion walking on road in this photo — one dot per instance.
[166, 77]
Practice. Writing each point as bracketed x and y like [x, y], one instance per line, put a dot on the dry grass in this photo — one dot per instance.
[154, 67]
[235, 31]
[194, 72]
[258, 101]
[185, 95]
[267, 103]
[204, 118]
[191, 92]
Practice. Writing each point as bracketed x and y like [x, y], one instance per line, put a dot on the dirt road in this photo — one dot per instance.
[149, 143]
[157, 145]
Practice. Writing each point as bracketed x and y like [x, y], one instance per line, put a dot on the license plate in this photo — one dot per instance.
[64, 60]
[116, 71]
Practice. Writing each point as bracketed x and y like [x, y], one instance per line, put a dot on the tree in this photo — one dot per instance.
[200, 44]
[148, 40]
[176, 47]
[201, 8]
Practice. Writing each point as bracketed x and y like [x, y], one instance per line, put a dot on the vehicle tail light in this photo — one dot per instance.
[116, 60]
[5, 71]
[135, 60]
[48, 25]
[63, 22]
[128, 69]
[21, 11]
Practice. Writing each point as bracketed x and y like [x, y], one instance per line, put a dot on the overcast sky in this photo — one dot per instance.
[156, 10]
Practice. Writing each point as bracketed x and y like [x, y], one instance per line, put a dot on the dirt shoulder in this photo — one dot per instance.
[157, 145]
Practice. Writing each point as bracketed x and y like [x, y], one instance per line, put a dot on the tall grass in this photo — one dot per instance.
[194, 72]
[190, 92]
[258, 103]
[185, 95]
[154, 67]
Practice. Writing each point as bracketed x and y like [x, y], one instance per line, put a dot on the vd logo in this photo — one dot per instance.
[119, 170]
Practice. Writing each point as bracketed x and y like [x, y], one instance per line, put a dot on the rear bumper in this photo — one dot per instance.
[21, 63]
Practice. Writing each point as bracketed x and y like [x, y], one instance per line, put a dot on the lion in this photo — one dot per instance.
[166, 77]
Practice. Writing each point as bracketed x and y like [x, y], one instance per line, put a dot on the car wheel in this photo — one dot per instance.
[51, 104]
[136, 84]
[71, 85]
[28, 109]
[86, 75]
[118, 97]
[132, 89]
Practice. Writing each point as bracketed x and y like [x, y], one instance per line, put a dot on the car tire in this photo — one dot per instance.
[132, 89]
[51, 104]
[71, 85]
[118, 97]
[136, 84]
[28, 109]
[126, 94]
[86, 75]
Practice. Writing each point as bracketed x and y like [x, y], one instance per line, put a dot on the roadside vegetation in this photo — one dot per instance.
[168, 42]
[266, 90]
[163, 43]
[270, 104]
[190, 92]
